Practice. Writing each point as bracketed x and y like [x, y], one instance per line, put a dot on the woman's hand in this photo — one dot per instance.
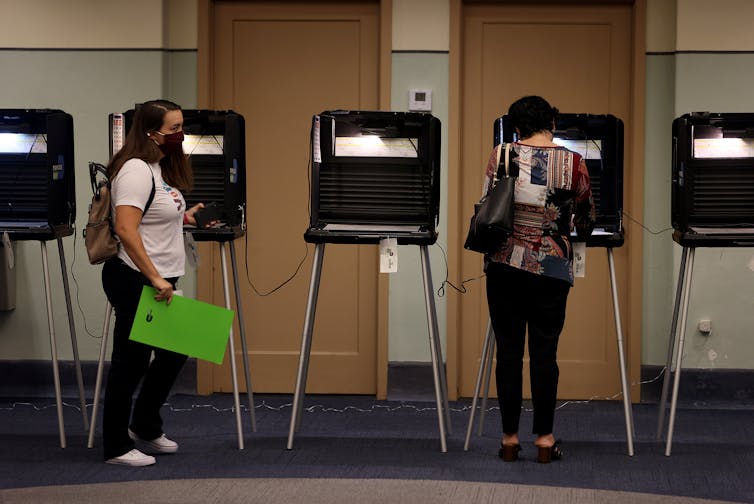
[191, 212]
[190, 216]
[127, 220]
[164, 290]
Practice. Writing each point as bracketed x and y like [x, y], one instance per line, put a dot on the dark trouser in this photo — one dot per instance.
[130, 363]
[517, 298]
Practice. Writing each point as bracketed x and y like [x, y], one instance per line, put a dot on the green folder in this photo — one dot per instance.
[185, 326]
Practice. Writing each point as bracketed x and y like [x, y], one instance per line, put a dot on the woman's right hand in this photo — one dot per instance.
[164, 290]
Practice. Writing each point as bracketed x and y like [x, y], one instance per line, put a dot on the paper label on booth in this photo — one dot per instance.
[388, 255]
[316, 151]
[579, 260]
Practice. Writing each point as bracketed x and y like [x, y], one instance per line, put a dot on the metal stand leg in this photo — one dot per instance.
[679, 355]
[622, 358]
[306, 344]
[100, 366]
[671, 344]
[441, 396]
[487, 374]
[72, 328]
[438, 346]
[477, 387]
[234, 377]
[53, 345]
[242, 332]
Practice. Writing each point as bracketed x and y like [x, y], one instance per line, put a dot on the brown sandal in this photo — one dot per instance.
[509, 452]
[546, 454]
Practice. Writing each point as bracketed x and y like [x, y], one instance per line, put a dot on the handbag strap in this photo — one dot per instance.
[507, 158]
[503, 162]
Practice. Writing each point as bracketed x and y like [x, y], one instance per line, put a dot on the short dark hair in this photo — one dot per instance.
[532, 114]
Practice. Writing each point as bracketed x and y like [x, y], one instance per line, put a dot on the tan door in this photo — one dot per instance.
[579, 58]
[278, 63]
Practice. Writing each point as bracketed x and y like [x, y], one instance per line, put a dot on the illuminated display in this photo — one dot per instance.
[721, 148]
[375, 146]
[203, 145]
[588, 149]
[23, 143]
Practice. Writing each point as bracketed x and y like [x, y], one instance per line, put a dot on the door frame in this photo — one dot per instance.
[205, 272]
[633, 186]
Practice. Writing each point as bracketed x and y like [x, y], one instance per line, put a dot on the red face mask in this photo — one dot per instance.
[173, 142]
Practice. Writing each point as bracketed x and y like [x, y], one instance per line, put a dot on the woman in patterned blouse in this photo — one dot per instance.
[529, 277]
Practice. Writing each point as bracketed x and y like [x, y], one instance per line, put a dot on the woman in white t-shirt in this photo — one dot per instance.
[147, 176]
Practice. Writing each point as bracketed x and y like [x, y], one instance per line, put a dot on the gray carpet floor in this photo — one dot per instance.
[358, 449]
[327, 491]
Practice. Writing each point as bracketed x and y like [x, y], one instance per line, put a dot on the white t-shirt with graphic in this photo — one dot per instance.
[161, 227]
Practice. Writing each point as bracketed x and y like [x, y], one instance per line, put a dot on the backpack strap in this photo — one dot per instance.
[97, 168]
[94, 169]
[151, 194]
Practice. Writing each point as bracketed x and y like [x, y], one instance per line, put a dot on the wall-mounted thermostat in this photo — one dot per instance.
[420, 100]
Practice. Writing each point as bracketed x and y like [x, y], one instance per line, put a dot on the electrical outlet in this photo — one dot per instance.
[705, 326]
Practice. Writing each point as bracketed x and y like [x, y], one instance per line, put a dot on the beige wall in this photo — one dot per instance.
[700, 25]
[421, 25]
[181, 24]
[88, 24]
[661, 16]
[720, 25]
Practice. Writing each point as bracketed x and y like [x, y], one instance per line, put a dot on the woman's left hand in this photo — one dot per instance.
[191, 212]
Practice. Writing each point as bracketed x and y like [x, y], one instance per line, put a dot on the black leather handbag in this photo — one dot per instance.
[492, 221]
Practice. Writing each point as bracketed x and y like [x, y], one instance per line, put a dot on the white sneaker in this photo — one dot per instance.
[159, 445]
[134, 458]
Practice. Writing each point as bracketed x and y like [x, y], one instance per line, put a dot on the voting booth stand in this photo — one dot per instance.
[215, 141]
[712, 205]
[599, 140]
[375, 176]
[38, 203]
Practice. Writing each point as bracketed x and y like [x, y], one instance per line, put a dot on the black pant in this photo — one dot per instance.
[130, 363]
[517, 298]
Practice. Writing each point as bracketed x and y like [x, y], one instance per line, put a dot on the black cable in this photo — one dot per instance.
[623, 212]
[78, 300]
[263, 294]
[31, 149]
[599, 149]
[645, 228]
[462, 288]
[306, 252]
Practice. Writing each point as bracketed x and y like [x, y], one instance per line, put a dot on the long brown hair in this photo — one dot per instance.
[148, 118]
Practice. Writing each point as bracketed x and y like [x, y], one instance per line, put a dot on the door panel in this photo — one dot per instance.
[278, 63]
[579, 59]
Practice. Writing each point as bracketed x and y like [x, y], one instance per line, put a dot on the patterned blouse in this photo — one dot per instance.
[553, 184]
